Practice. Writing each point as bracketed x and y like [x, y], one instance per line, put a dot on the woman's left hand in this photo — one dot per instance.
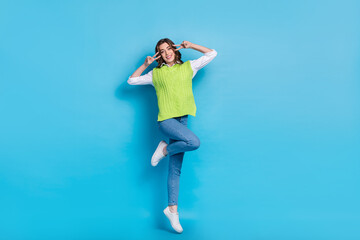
[184, 44]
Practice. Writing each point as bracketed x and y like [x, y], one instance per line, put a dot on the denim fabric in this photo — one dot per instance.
[181, 140]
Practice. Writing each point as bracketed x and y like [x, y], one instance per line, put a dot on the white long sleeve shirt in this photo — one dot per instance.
[196, 65]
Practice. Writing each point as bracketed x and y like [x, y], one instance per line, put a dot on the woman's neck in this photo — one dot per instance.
[171, 64]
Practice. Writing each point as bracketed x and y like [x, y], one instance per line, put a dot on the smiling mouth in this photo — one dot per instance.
[168, 57]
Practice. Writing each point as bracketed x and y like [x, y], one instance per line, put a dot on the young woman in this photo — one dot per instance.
[172, 80]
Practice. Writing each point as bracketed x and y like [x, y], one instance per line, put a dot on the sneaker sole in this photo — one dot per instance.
[155, 164]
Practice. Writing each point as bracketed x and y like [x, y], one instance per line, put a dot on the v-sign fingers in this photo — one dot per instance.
[158, 57]
[155, 54]
[176, 45]
[179, 48]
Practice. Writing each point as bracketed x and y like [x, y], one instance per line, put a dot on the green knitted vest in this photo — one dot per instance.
[173, 87]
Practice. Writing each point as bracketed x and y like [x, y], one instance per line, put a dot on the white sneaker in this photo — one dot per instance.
[158, 154]
[174, 220]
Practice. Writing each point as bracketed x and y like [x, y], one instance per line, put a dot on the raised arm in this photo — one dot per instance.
[187, 44]
[137, 79]
[145, 79]
[197, 64]
[202, 61]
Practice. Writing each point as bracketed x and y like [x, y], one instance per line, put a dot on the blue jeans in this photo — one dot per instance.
[181, 140]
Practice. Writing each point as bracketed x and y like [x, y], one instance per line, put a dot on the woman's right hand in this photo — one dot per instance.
[149, 60]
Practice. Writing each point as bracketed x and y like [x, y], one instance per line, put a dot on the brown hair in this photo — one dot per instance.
[171, 43]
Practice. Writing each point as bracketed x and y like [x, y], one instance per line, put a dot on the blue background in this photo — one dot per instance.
[278, 118]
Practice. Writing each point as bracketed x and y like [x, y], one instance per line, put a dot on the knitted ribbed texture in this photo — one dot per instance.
[173, 87]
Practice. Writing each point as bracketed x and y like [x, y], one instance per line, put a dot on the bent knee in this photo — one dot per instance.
[194, 143]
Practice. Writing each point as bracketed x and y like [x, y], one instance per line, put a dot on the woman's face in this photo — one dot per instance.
[167, 53]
